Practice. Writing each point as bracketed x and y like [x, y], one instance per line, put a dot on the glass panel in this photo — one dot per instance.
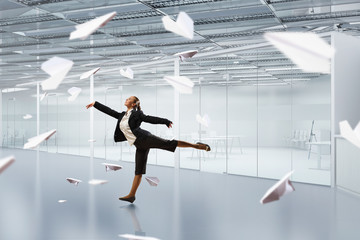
[189, 108]
[274, 125]
[114, 97]
[52, 121]
[310, 138]
[213, 103]
[242, 121]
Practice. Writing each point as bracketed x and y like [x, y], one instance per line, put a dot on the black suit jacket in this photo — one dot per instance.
[135, 120]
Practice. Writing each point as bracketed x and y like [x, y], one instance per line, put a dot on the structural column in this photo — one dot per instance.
[177, 114]
[92, 117]
[1, 132]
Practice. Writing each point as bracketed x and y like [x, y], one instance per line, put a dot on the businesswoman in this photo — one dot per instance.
[128, 128]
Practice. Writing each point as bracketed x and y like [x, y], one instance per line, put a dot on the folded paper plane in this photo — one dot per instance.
[97, 181]
[6, 162]
[35, 141]
[74, 92]
[92, 140]
[74, 181]
[57, 68]
[184, 25]
[180, 83]
[112, 167]
[89, 73]
[282, 187]
[307, 50]
[205, 120]
[153, 181]
[349, 134]
[186, 54]
[27, 116]
[62, 201]
[136, 237]
[128, 73]
[86, 29]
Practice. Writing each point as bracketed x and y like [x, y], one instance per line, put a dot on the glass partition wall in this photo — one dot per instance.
[262, 118]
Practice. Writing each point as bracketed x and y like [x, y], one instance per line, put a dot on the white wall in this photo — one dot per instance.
[345, 86]
[345, 79]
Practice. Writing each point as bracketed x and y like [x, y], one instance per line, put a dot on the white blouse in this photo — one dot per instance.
[125, 128]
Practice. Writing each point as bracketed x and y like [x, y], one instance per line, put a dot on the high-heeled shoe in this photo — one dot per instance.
[128, 199]
[207, 147]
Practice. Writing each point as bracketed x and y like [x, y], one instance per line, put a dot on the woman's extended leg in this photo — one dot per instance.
[184, 144]
[140, 169]
[135, 185]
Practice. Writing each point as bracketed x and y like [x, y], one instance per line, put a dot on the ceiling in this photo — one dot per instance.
[228, 35]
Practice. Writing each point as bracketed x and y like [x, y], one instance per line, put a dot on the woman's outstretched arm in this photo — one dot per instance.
[155, 120]
[104, 109]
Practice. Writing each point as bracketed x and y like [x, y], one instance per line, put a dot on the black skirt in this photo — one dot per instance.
[143, 146]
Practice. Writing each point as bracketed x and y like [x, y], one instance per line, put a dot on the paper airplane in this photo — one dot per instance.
[6, 162]
[186, 54]
[349, 134]
[85, 29]
[136, 237]
[74, 181]
[74, 92]
[62, 201]
[128, 73]
[153, 181]
[57, 68]
[307, 50]
[43, 96]
[27, 116]
[180, 83]
[113, 167]
[97, 182]
[35, 141]
[89, 73]
[205, 120]
[281, 188]
[92, 140]
[184, 25]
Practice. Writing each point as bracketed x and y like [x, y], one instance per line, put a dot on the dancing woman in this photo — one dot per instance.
[128, 128]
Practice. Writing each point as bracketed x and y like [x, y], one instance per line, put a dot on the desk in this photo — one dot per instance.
[319, 145]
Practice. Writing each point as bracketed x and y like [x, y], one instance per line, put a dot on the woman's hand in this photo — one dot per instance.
[170, 125]
[90, 105]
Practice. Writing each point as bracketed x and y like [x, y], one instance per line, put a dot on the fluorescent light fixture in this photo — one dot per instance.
[307, 50]
[296, 79]
[270, 84]
[19, 33]
[26, 84]
[282, 69]
[233, 68]
[320, 28]
[252, 75]
[9, 90]
[196, 73]
[156, 58]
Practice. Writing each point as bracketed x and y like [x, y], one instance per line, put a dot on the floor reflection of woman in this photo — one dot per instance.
[128, 128]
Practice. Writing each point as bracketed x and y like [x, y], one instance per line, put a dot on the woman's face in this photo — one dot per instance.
[130, 102]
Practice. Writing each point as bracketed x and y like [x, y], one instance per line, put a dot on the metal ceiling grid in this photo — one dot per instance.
[136, 34]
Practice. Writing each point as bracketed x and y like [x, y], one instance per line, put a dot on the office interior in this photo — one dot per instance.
[265, 117]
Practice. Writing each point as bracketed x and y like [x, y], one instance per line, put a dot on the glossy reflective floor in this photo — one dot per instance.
[186, 204]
